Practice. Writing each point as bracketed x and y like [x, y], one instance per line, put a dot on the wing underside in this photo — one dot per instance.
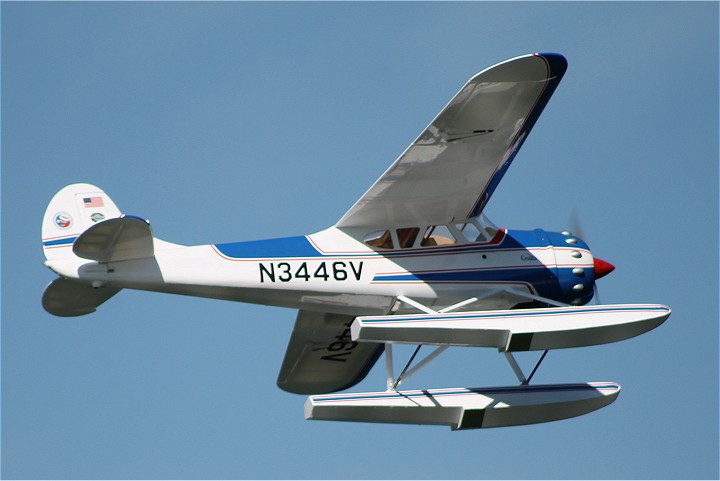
[453, 167]
[322, 358]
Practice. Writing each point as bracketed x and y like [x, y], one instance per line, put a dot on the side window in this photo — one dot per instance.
[487, 227]
[380, 239]
[436, 235]
[471, 232]
[406, 236]
[491, 231]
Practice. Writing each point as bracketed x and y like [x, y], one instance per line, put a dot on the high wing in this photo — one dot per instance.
[454, 166]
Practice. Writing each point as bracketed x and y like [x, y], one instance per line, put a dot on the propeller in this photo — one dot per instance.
[602, 268]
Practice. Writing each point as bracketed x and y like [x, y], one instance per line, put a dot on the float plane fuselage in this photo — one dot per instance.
[415, 261]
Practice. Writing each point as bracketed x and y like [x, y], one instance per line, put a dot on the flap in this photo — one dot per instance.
[119, 239]
[322, 358]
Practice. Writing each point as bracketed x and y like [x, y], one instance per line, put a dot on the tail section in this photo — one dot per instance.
[81, 225]
[71, 211]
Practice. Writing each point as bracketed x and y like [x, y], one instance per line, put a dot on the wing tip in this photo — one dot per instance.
[557, 63]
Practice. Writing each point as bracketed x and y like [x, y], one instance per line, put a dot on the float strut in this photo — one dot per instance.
[537, 365]
[518, 372]
[516, 368]
[397, 381]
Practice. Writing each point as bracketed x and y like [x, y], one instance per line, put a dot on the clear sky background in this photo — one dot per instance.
[236, 121]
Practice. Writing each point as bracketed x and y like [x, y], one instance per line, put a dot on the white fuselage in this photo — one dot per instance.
[333, 271]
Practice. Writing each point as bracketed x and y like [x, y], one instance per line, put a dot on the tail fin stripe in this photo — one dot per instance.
[60, 242]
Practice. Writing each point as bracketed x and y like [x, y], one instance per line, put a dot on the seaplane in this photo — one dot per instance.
[414, 261]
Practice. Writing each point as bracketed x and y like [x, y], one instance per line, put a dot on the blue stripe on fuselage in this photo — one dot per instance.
[534, 274]
[284, 247]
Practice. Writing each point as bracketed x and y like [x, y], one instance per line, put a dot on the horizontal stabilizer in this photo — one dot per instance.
[120, 239]
[66, 298]
[466, 408]
[515, 330]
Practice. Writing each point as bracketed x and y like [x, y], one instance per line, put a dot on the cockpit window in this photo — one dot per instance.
[471, 232]
[436, 235]
[381, 239]
[486, 226]
[406, 236]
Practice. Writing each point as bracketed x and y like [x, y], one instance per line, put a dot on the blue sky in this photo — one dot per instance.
[235, 121]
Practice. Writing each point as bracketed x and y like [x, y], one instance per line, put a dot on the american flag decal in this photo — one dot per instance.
[93, 202]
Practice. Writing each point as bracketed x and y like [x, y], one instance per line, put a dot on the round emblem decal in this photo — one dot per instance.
[63, 220]
[97, 217]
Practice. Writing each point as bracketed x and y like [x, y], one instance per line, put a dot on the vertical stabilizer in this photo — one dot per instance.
[74, 209]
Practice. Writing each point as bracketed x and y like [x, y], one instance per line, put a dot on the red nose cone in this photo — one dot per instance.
[602, 268]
